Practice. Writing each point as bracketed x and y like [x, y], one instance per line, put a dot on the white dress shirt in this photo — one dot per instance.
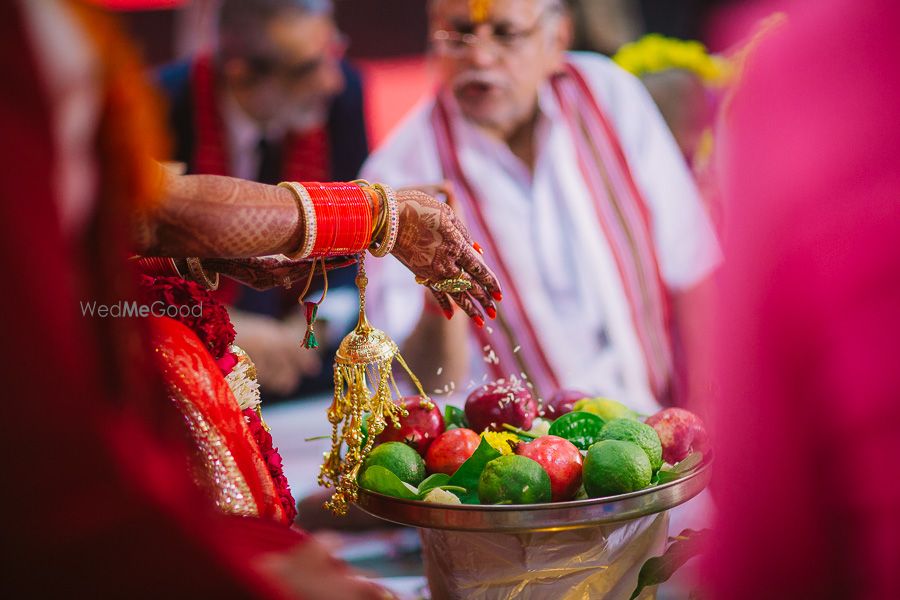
[552, 242]
[243, 135]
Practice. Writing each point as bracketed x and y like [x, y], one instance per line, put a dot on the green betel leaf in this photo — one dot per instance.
[454, 418]
[525, 436]
[470, 471]
[686, 545]
[579, 427]
[663, 476]
[378, 479]
[433, 481]
[690, 461]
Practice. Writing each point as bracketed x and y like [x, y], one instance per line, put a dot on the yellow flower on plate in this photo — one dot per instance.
[502, 442]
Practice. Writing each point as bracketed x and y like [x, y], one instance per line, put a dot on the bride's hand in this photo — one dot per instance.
[264, 272]
[435, 246]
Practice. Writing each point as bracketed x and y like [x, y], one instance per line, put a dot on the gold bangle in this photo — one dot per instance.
[175, 268]
[378, 223]
[308, 214]
[390, 221]
[195, 267]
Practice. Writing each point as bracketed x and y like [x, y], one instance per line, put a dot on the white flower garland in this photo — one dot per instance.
[242, 381]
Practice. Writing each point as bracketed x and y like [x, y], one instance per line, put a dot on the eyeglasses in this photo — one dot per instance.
[501, 39]
[266, 67]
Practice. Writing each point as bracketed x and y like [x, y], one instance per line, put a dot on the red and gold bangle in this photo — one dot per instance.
[343, 219]
[157, 266]
[356, 239]
[375, 213]
[308, 214]
[391, 221]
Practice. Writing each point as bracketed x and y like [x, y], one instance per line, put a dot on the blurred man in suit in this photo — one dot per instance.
[274, 100]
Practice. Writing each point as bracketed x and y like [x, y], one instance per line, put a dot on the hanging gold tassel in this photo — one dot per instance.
[363, 383]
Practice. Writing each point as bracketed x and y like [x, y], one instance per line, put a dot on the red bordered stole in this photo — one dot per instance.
[622, 217]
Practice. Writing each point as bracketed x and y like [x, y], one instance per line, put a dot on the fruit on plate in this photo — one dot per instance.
[605, 408]
[399, 459]
[418, 429]
[637, 432]
[562, 402]
[560, 459]
[439, 496]
[579, 427]
[505, 401]
[450, 450]
[615, 467]
[680, 431]
[513, 479]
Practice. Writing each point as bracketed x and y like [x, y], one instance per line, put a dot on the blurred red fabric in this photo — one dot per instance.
[808, 418]
[139, 4]
[97, 498]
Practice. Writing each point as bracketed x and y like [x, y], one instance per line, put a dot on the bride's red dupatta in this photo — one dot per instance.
[97, 497]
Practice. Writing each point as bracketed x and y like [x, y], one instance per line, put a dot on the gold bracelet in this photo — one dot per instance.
[379, 221]
[195, 267]
[175, 268]
[308, 214]
[389, 220]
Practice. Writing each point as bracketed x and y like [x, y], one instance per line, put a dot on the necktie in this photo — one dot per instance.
[269, 154]
[266, 302]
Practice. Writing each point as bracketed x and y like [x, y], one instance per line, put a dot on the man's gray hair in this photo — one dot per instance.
[242, 22]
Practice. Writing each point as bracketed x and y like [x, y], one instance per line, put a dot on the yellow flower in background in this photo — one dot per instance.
[654, 53]
[500, 441]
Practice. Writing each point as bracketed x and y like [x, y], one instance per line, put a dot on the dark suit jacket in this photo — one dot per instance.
[346, 125]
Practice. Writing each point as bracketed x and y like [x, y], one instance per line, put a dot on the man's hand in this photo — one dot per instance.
[274, 347]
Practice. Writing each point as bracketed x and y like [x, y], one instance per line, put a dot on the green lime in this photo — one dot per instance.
[605, 408]
[399, 459]
[615, 467]
[513, 479]
[641, 434]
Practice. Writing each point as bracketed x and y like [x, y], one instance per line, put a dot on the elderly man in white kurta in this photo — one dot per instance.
[566, 174]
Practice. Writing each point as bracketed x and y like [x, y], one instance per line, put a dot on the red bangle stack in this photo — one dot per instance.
[343, 218]
[157, 266]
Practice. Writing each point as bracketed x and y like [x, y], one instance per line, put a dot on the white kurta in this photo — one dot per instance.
[551, 239]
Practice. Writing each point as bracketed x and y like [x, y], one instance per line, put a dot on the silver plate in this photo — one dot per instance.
[555, 516]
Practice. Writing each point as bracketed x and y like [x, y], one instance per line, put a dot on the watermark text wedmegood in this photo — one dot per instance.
[134, 308]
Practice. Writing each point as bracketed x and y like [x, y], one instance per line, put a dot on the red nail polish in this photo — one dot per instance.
[478, 248]
[448, 313]
[497, 296]
[479, 321]
[491, 312]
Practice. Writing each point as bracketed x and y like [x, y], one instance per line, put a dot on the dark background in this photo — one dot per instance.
[389, 28]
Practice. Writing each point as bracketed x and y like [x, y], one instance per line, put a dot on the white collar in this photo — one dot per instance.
[243, 132]
[473, 137]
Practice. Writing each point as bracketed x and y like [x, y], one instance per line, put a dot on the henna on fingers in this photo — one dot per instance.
[434, 245]
[479, 294]
[444, 302]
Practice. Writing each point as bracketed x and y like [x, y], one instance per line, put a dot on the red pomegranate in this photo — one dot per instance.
[418, 429]
[505, 401]
[450, 450]
[562, 461]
